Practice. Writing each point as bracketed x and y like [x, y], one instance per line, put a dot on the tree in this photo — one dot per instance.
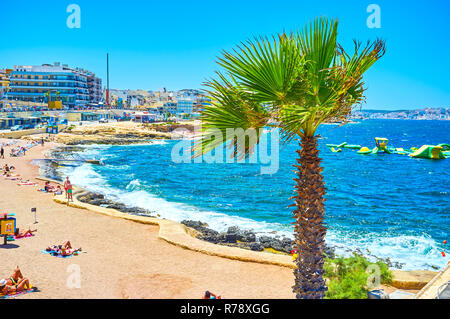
[293, 82]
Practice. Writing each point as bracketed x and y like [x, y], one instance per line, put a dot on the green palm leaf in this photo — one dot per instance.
[231, 109]
[266, 68]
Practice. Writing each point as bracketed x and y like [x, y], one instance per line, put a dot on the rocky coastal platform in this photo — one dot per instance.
[118, 133]
[246, 239]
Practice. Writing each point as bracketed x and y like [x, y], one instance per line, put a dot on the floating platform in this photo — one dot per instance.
[440, 151]
[429, 151]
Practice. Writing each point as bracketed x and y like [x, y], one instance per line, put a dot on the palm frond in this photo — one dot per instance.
[345, 80]
[232, 116]
[266, 68]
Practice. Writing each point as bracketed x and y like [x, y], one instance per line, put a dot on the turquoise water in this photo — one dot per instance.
[393, 205]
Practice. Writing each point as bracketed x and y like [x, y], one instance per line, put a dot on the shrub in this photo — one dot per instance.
[348, 276]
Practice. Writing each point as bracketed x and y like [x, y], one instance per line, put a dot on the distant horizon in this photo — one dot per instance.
[406, 110]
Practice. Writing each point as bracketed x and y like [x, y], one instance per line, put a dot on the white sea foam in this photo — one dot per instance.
[133, 184]
[414, 252]
[84, 176]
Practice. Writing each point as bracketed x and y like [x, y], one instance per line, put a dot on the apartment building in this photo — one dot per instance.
[73, 86]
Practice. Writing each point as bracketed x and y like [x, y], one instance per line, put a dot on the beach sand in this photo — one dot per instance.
[123, 259]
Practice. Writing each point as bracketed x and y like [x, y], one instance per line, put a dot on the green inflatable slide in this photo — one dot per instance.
[429, 151]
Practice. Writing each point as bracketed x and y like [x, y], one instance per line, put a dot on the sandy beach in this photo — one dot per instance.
[122, 259]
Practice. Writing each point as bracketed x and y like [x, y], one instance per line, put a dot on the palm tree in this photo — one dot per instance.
[294, 82]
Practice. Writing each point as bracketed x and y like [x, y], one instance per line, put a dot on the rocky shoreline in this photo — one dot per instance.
[100, 200]
[233, 237]
[248, 239]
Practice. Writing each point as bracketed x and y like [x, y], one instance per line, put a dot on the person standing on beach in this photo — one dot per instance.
[2, 153]
[42, 141]
[69, 192]
[66, 185]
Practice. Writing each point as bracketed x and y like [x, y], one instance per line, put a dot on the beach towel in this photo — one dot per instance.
[16, 294]
[14, 237]
[58, 254]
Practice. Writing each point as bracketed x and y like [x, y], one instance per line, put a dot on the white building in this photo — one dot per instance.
[185, 106]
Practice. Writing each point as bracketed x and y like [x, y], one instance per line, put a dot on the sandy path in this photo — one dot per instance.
[123, 259]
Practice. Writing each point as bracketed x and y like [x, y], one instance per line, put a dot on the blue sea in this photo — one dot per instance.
[387, 204]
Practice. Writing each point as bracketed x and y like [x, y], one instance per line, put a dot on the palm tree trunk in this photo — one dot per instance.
[309, 227]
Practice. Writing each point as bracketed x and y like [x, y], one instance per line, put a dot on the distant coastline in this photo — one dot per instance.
[442, 114]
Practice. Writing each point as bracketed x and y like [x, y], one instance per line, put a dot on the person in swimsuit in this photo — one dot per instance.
[20, 234]
[66, 185]
[15, 283]
[58, 190]
[69, 192]
[210, 295]
[65, 249]
[56, 248]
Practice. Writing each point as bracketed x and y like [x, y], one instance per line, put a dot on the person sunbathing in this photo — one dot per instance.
[19, 234]
[69, 251]
[56, 248]
[210, 295]
[13, 177]
[15, 283]
[65, 249]
[27, 182]
[49, 188]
